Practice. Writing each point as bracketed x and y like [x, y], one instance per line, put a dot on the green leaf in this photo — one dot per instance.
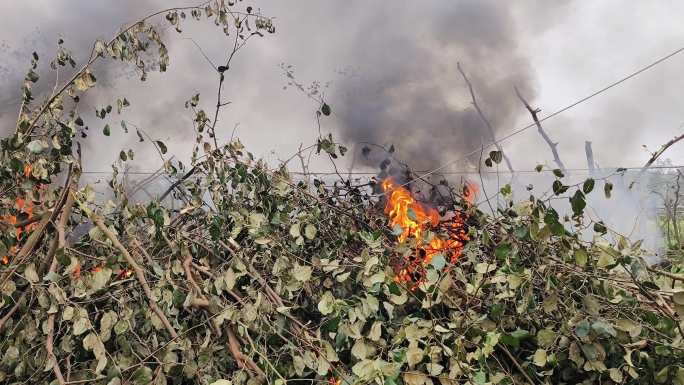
[438, 262]
[588, 185]
[496, 156]
[603, 328]
[558, 187]
[539, 168]
[599, 227]
[106, 131]
[32, 76]
[397, 230]
[546, 338]
[325, 109]
[607, 189]
[502, 251]
[142, 376]
[558, 173]
[581, 257]
[480, 378]
[582, 329]
[578, 203]
[123, 156]
[161, 145]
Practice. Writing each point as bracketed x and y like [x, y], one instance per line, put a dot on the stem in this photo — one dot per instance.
[140, 274]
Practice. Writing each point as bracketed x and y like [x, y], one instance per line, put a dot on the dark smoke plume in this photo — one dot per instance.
[410, 93]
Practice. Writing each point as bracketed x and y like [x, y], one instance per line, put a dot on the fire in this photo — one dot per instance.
[414, 219]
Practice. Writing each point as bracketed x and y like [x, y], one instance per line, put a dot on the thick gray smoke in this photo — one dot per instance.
[410, 92]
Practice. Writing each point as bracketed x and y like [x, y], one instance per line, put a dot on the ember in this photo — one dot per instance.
[413, 219]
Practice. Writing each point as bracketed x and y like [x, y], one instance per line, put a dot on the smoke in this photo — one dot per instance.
[410, 93]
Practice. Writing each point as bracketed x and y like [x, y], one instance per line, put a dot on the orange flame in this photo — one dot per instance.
[414, 218]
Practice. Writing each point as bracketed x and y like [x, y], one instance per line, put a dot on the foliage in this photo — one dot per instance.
[260, 278]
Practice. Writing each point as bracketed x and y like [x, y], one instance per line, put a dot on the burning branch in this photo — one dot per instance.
[414, 219]
[534, 112]
[484, 118]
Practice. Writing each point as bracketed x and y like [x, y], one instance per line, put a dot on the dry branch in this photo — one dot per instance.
[591, 165]
[242, 360]
[547, 139]
[484, 118]
[61, 241]
[140, 274]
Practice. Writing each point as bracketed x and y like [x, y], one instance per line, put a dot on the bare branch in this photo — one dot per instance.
[547, 139]
[590, 157]
[484, 118]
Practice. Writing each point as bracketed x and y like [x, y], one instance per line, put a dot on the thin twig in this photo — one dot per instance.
[517, 364]
[655, 156]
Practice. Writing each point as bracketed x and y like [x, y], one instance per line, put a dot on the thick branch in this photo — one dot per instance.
[484, 118]
[242, 360]
[200, 300]
[140, 274]
[591, 165]
[61, 241]
[547, 139]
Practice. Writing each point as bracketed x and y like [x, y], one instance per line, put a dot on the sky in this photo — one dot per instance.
[388, 69]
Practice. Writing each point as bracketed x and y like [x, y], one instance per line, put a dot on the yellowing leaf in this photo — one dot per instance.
[615, 375]
[375, 331]
[84, 81]
[546, 337]
[310, 231]
[540, 357]
[678, 298]
[414, 355]
[326, 304]
[31, 274]
[302, 273]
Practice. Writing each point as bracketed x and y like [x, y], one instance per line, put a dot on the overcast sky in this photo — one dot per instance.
[392, 72]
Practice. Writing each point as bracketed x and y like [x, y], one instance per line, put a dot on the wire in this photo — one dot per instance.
[462, 172]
